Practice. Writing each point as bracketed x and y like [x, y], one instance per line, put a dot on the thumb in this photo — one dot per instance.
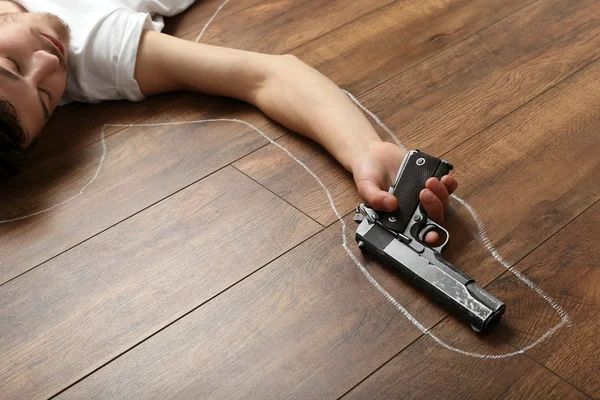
[377, 198]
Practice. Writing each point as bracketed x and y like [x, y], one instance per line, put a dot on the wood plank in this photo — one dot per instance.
[520, 176]
[78, 125]
[274, 169]
[263, 14]
[382, 44]
[302, 338]
[198, 14]
[308, 325]
[277, 26]
[566, 267]
[426, 370]
[87, 306]
[450, 97]
[143, 165]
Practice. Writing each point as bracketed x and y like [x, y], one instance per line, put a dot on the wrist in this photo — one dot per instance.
[386, 153]
[360, 150]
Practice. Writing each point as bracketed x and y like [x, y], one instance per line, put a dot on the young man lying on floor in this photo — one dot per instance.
[113, 49]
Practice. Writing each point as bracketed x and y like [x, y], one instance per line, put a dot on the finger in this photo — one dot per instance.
[377, 198]
[432, 237]
[439, 190]
[433, 205]
[450, 183]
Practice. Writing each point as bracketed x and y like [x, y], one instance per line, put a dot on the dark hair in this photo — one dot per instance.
[12, 139]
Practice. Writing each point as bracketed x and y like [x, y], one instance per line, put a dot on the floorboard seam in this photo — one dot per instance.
[139, 211]
[434, 54]
[553, 372]
[394, 356]
[106, 136]
[140, 119]
[126, 218]
[344, 25]
[322, 226]
[219, 19]
[276, 195]
[449, 315]
[522, 105]
[233, 285]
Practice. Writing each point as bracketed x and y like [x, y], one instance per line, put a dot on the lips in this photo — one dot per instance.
[59, 46]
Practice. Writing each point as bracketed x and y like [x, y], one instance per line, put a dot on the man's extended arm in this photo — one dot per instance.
[293, 94]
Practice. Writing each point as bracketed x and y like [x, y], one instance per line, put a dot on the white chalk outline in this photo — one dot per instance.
[211, 20]
[72, 197]
[481, 227]
[484, 238]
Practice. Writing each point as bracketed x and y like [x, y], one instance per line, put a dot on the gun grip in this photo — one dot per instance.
[415, 170]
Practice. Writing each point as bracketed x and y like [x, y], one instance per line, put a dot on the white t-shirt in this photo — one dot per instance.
[105, 36]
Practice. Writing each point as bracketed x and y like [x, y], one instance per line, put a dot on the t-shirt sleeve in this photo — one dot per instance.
[104, 69]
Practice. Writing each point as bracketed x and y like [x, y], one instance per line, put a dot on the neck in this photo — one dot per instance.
[10, 7]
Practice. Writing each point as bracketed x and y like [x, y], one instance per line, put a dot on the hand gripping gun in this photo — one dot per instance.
[397, 239]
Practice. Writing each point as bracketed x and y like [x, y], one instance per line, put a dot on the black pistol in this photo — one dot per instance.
[396, 239]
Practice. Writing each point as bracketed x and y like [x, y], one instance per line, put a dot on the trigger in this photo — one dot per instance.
[444, 237]
[425, 231]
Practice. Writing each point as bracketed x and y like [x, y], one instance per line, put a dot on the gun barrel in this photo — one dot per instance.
[453, 289]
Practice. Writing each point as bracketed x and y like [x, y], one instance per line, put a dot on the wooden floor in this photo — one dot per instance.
[205, 263]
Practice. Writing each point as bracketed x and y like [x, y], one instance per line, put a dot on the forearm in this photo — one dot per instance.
[284, 88]
[305, 101]
[291, 93]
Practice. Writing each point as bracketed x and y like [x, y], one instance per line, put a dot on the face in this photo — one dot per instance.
[33, 66]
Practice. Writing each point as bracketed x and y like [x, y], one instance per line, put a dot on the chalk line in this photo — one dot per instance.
[102, 157]
[103, 146]
[389, 297]
[481, 227]
[484, 238]
[376, 119]
[211, 20]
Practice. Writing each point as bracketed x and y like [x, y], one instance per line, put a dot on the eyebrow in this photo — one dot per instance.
[15, 77]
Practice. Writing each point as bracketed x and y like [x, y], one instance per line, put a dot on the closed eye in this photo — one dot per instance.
[47, 93]
[14, 77]
[45, 106]
[16, 63]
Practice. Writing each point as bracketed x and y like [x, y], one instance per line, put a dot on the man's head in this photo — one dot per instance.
[33, 76]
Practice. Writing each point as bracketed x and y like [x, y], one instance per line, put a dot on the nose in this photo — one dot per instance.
[43, 65]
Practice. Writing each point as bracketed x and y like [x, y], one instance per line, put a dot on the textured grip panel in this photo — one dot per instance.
[417, 169]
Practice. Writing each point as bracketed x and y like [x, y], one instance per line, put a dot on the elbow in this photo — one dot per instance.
[290, 58]
[280, 65]
[276, 71]
[289, 63]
